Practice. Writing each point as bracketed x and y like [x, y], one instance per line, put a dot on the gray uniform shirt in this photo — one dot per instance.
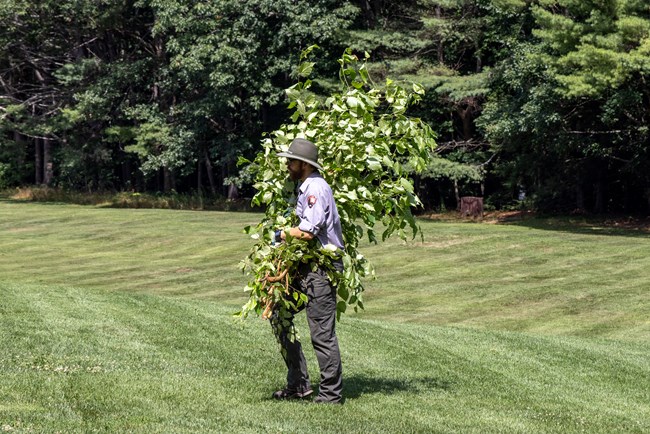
[317, 211]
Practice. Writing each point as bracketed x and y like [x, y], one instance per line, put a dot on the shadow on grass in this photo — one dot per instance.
[611, 225]
[357, 385]
[607, 227]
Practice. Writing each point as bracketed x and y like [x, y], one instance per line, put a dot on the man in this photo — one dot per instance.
[319, 219]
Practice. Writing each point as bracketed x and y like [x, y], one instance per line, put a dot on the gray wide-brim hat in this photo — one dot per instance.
[303, 150]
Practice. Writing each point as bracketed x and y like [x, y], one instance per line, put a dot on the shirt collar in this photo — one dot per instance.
[303, 185]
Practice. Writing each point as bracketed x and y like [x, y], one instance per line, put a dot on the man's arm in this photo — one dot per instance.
[296, 232]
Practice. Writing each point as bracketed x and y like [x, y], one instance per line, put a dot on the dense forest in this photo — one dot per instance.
[543, 104]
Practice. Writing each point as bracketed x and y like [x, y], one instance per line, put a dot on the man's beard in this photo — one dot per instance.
[295, 176]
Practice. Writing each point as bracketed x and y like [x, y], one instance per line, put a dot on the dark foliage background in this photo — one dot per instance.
[537, 104]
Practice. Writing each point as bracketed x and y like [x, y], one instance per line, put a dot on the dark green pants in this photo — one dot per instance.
[321, 317]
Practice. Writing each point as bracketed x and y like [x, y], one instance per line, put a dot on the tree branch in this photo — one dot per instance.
[595, 132]
[459, 144]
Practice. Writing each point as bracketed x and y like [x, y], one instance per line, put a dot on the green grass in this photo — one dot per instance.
[119, 321]
[536, 276]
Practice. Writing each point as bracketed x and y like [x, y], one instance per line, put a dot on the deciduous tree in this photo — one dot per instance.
[365, 137]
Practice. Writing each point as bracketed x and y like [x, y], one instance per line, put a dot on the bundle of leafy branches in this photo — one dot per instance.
[365, 140]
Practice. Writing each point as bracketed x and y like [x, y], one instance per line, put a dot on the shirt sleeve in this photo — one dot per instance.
[313, 217]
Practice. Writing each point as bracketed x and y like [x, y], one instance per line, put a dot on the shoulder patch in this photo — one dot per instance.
[311, 201]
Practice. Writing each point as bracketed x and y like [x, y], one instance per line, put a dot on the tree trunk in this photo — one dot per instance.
[199, 176]
[441, 46]
[233, 192]
[599, 200]
[222, 179]
[370, 9]
[208, 169]
[466, 114]
[21, 143]
[160, 57]
[265, 117]
[48, 165]
[169, 180]
[580, 196]
[457, 195]
[468, 129]
[38, 161]
[127, 182]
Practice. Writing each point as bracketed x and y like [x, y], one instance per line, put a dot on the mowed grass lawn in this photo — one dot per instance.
[120, 321]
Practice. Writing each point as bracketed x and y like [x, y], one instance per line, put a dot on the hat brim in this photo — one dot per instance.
[297, 157]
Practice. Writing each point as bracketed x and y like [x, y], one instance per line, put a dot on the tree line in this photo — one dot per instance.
[541, 103]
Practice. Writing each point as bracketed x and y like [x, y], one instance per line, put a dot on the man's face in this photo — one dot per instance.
[295, 168]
